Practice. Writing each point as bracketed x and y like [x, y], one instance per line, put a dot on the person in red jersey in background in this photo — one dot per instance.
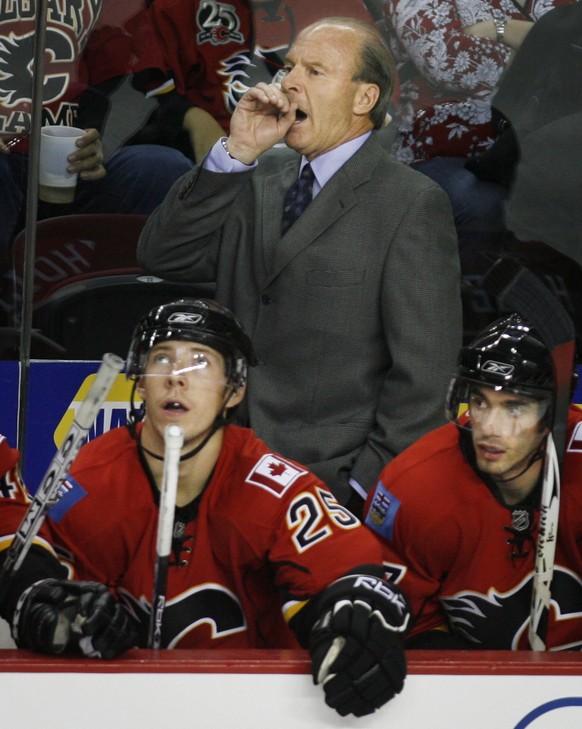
[263, 554]
[459, 510]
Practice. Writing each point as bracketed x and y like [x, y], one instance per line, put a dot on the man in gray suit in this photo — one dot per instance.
[355, 311]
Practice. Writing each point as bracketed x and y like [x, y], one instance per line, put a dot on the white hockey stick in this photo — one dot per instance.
[173, 440]
[47, 493]
[545, 549]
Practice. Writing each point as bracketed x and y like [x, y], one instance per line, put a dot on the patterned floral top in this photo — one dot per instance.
[447, 78]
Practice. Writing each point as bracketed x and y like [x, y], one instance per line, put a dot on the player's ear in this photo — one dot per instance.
[140, 389]
[237, 397]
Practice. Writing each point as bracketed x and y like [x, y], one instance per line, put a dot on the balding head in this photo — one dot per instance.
[373, 62]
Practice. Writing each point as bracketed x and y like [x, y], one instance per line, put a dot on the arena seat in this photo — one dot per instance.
[74, 247]
[89, 289]
[98, 314]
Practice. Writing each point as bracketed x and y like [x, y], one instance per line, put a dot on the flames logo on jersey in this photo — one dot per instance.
[209, 604]
[241, 72]
[218, 24]
[500, 621]
[17, 52]
[15, 72]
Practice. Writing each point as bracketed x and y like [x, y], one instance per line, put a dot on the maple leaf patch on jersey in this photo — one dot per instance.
[274, 474]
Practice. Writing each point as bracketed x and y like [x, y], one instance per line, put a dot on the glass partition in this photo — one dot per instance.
[152, 85]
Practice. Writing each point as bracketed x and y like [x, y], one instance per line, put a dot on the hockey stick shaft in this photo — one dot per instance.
[545, 549]
[173, 441]
[47, 492]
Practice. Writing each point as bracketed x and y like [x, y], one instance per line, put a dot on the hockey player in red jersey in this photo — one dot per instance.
[459, 509]
[263, 554]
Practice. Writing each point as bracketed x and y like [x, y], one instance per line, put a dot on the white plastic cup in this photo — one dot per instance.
[56, 185]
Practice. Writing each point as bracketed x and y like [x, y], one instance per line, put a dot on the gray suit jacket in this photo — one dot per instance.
[355, 313]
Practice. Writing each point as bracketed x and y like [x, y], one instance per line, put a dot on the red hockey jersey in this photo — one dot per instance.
[267, 535]
[464, 559]
[208, 49]
[14, 499]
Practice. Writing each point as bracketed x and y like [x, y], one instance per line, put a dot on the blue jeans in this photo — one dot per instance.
[478, 208]
[138, 178]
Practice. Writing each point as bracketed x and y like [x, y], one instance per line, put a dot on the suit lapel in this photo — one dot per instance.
[333, 201]
[270, 194]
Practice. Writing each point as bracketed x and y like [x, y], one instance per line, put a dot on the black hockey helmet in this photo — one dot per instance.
[193, 320]
[508, 355]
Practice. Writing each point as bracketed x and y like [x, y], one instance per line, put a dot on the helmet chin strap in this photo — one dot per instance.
[219, 422]
[535, 456]
[136, 415]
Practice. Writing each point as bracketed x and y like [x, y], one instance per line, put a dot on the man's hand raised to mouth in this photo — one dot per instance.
[261, 119]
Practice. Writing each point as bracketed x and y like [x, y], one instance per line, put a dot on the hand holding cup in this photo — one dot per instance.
[66, 153]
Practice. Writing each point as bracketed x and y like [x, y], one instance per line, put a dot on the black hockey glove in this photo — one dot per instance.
[357, 645]
[54, 616]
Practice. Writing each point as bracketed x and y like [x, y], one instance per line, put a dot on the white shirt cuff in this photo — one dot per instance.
[357, 488]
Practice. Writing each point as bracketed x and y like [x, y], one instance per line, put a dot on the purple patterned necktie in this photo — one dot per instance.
[297, 198]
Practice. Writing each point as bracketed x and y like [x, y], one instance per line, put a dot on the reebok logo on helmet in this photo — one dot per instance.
[184, 317]
[498, 368]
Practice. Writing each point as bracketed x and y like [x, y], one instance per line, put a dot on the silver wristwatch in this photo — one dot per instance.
[500, 21]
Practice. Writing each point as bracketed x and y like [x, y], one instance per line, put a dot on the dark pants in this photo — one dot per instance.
[477, 208]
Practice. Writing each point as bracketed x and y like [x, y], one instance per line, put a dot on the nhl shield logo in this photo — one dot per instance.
[520, 519]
